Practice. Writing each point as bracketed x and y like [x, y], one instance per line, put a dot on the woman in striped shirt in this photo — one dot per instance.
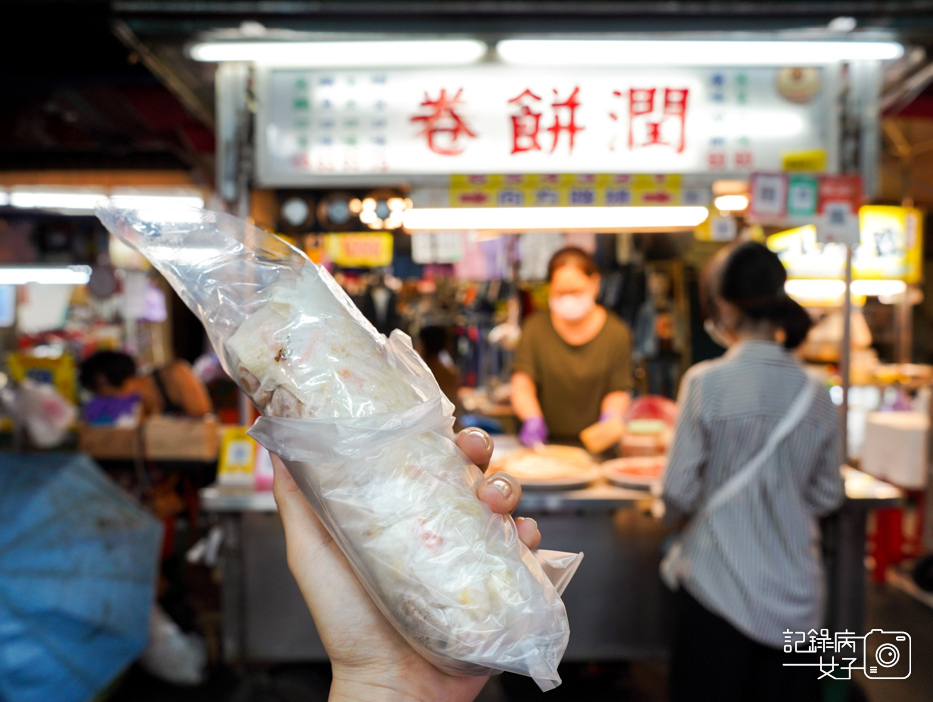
[750, 569]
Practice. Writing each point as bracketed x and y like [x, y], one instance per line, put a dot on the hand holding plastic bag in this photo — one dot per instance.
[364, 650]
[365, 432]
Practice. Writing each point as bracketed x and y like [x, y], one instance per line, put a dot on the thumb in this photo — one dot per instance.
[300, 522]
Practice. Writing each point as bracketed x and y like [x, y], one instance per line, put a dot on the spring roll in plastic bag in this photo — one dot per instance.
[365, 431]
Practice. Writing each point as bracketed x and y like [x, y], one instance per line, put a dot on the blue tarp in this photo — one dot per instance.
[78, 561]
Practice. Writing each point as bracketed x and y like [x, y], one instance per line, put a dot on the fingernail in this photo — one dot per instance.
[502, 485]
[529, 519]
[482, 435]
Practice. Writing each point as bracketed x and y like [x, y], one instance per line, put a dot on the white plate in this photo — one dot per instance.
[579, 480]
[614, 471]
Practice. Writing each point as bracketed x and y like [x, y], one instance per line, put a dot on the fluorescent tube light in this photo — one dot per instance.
[141, 202]
[57, 200]
[878, 288]
[562, 218]
[329, 54]
[811, 290]
[731, 203]
[4, 198]
[612, 52]
[78, 199]
[834, 290]
[61, 275]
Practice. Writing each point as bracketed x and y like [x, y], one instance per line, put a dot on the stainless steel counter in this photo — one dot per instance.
[599, 497]
[861, 488]
[617, 605]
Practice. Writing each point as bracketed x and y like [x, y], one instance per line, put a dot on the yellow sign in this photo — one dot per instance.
[359, 250]
[58, 371]
[469, 181]
[574, 190]
[811, 161]
[237, 457]
[891, 248]
[474, 197]
[891, 244]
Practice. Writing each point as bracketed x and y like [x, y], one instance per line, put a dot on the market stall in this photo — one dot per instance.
[476, 174]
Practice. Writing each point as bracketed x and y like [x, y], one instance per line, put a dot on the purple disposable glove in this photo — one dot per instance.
[534, 431]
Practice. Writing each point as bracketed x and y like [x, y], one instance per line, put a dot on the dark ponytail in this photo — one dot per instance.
[753, 279]
[796, 323]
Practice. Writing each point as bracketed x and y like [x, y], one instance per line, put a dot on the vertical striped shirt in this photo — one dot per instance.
[755, 560]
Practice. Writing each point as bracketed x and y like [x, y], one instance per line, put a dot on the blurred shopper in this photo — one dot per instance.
[172, 389]
[432, 345]
[573, 364]
[752, 468]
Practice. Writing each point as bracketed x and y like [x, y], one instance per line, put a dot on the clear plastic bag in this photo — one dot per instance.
[366, 433]
[44, 412]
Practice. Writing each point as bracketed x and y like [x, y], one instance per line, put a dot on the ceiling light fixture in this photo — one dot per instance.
[619, 52]
[86, 200]
[49, 275]
[57, 199]
[878, 288]
[834, 290]
[559, 218]
[330, 54]
[731, 203]
[142, 202]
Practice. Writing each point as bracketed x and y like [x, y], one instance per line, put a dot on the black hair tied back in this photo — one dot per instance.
[753, 279]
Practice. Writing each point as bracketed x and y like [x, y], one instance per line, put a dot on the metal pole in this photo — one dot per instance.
[904, 328]
[846, 353]
[234, 156]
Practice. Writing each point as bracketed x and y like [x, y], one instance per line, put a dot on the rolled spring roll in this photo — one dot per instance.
[451, 576]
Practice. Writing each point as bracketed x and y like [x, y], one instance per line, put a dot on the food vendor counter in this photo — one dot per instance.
[159, 438]
[617, 605]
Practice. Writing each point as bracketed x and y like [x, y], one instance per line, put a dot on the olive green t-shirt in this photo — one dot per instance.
[573, 380]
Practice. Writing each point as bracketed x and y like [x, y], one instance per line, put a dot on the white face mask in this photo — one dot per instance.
[572, 307]
[716, 333]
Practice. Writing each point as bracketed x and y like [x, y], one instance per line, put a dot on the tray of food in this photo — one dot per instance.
[649, 427]
[636, 471]
[550, 467]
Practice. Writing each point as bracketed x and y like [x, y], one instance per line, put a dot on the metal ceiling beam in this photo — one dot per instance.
[193, 102]
[901, 95]
[911, 19]
[636, 7]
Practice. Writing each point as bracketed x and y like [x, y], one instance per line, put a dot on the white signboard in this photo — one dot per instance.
[321, 127]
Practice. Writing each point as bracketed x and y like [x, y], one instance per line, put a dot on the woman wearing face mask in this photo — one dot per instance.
[573, 364]
[753, 465]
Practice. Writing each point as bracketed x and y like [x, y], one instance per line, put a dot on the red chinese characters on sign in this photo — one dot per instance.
[656, 117]
[654, 122]
[525, 124]
[570, 104]
[443, 127]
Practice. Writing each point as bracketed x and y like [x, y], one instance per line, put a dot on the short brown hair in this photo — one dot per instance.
[571, 256]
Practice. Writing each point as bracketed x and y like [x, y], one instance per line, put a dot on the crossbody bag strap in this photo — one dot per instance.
[742, 477]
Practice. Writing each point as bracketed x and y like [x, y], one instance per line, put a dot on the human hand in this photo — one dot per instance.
[369, 658]
[534, 431]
